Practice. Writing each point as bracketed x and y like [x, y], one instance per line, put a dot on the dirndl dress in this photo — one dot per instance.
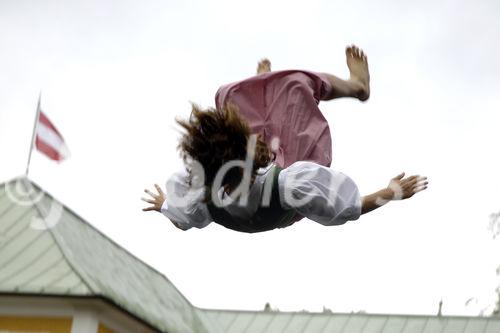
[283, 107]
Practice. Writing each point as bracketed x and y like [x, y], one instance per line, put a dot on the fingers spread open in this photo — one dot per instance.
[150, 193]
[421, 181]
[410, 181]
[419, 188]
[148, 200]
[158, 188]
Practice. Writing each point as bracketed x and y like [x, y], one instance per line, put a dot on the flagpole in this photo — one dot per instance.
[33, 136]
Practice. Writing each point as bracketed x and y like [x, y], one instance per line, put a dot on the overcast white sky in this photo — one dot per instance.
[114, 74]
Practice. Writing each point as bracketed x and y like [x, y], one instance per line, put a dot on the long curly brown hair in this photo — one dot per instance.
[214, 137]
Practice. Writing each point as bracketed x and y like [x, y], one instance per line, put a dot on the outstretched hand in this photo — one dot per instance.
[404, 188]
[156, 200]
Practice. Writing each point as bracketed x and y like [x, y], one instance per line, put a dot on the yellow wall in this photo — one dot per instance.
[104, 329]
[35, 324]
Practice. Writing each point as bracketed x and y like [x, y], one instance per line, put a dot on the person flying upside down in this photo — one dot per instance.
[261, 159]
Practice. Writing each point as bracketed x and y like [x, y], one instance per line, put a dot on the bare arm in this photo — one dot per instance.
[399, 188]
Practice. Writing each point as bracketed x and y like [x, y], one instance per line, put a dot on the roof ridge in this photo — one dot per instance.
[72, 241]
[42, 215]
[107, 238]
[10, 180]
[368, 314]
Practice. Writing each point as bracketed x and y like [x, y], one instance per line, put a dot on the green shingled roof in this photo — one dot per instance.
[296, 322]
[74, 259]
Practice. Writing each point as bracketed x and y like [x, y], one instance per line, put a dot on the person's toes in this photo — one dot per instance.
[348, 51]
[264, 66]
[354, 50]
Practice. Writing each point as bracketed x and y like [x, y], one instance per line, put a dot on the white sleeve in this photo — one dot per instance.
[183, 205]
[319, 193]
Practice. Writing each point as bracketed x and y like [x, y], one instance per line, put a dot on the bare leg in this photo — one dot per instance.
[358, 85]
[264, 66]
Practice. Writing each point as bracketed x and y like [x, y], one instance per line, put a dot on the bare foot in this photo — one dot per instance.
[264, 66]
[358, 68]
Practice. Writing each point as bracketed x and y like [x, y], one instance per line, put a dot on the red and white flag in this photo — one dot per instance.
[48, 139]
